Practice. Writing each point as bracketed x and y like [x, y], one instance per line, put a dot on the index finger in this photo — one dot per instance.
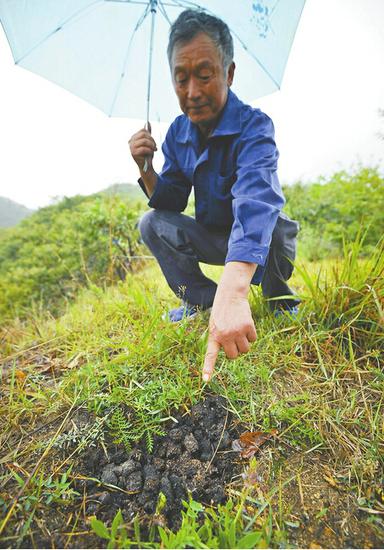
[211, 354]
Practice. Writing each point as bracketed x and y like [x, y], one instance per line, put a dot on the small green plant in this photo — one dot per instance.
[116, 535]
[46, 490]
[126, 433]
[201, 527]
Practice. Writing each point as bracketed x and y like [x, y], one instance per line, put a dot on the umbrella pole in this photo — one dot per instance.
[153, 15]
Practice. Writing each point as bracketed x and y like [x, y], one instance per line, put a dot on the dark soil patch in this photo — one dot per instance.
[194, 457]
[310, 503]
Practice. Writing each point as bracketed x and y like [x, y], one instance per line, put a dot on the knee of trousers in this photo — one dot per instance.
[147, 224]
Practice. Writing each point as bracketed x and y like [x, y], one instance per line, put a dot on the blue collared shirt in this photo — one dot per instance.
[234, 178]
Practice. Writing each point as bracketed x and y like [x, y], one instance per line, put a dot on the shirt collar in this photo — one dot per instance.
[229, 122]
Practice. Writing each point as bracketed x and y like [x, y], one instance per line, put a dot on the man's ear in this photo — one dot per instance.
[231, 73]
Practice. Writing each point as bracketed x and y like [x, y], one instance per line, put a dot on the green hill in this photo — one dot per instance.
[81, 240]
[11, 212]
[127, 189]
[47, 257]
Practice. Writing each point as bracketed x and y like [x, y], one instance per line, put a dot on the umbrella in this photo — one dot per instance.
[112, 53]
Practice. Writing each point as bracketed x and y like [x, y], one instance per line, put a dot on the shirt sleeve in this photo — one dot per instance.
[257, 195]
[172, 187]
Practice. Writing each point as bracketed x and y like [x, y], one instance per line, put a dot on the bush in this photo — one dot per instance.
[336, 210]
[48, 256]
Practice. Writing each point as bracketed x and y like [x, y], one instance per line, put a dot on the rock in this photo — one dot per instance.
[120, 456]
[126, 468]
[209, 421]
[218, 495]
[176, 434]
[105, 498]
[94, 457]
[206, 451]
[225, 441]
[149, 507]
[136, 455]
[162, 450]
[179, 491]
[199, 434]
[173, 450]
[166, 488]
[134, 482]
[91, 508]
[159, 463]
[197, 411]
[190, 444]
[108, 475]
[152, 479]
[193, 466]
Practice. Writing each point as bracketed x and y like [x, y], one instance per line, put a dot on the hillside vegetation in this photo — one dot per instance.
[338, 209]
[91, 240]
[108, 426]
[62, 247]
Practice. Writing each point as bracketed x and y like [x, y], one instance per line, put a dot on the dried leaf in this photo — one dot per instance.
[250, 442]
[20, 375]
[330, 480]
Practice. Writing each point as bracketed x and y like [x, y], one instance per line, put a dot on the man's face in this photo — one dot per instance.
[199, 81]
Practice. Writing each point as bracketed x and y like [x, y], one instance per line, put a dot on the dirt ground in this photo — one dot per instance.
[190, 459]
[311, 505]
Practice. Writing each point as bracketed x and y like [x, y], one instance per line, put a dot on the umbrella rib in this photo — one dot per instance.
[59, 28]
[122, 74]
[256, 59]
[275, 6]
[163, 12]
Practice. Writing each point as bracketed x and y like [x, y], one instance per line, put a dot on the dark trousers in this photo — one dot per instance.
[179, 243]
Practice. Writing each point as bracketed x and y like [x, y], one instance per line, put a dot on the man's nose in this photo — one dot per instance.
[194, 91]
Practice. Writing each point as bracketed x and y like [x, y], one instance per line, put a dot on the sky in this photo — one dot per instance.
[326, 115]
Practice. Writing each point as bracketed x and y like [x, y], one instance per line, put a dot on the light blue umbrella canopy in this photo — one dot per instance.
[111, 52]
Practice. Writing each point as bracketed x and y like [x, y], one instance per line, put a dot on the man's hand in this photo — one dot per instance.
[231, 325]
[142, 146]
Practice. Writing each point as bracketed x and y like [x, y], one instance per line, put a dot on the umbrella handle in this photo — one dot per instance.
[147, 126]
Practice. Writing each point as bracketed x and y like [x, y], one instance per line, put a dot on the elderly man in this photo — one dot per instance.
[226, 151]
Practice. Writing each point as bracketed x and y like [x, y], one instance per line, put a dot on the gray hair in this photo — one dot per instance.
[190, 23]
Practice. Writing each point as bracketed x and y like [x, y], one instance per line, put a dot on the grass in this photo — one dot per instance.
[318, 380]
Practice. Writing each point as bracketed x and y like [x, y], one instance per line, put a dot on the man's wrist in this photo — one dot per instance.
[236, 279]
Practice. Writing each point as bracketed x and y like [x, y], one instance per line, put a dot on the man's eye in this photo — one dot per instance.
[180, 78]
[205, 77]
